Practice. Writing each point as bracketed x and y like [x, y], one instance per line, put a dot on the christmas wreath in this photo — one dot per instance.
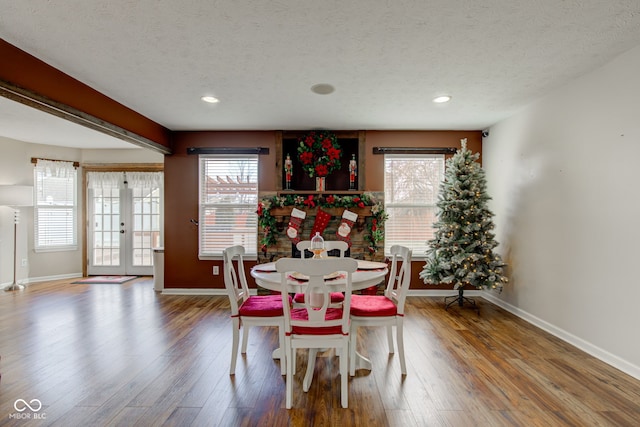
[319, 153]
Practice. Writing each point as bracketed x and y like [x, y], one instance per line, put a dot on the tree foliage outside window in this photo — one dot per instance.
[228, 199]
[411, 183]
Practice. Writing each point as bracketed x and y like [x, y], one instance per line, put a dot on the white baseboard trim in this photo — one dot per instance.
[51, 278]
[193, 291]
[441, 293]
[595, 351]
[417, 293]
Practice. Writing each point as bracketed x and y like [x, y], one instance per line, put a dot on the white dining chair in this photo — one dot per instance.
[384, 310]
[342, 247]
[315, 327]
[248, 310]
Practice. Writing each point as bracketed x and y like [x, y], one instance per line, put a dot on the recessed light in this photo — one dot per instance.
[322, 89]
[210, 99]
[441, 99]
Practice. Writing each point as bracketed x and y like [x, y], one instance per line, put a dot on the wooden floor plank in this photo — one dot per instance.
[120, 355]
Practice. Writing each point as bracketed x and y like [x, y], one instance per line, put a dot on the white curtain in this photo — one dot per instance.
[57, 168]
[147, 180]
[104, 180]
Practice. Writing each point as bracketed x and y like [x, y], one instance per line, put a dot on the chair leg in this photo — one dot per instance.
[344, 377]
[400, 335]
[353, 335]
[235, 324]
[311, 365]
[390, 338]
[283, 358]
[293, 360]
[245, 339]
[290, 354]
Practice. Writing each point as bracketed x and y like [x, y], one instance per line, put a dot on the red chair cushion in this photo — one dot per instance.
[262, 306]
[372, 306]
[301, 314]
[336, 297]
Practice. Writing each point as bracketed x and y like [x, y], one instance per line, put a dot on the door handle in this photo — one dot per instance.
[121, 231]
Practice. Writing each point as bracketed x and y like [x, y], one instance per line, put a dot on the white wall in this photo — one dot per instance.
[16, 169]
[564, 175]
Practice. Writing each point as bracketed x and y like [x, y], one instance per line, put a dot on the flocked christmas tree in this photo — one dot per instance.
[461, 253]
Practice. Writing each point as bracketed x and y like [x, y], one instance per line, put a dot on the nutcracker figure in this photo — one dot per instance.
[353, 172]
[288, 171]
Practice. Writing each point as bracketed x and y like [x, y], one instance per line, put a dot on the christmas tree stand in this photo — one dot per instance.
[461, 300]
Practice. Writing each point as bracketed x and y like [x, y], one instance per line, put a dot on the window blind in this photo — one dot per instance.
[411, 186]
[55, 208]
[228, 201]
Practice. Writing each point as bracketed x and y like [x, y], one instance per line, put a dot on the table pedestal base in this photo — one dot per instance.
[362, 362]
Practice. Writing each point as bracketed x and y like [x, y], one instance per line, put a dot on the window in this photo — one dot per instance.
[55, 208]
[228, 202]
[411, 186]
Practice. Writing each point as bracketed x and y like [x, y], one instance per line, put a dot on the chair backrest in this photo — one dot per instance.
[316, 289]
[329, 245]
[399, 277]
[235, 280]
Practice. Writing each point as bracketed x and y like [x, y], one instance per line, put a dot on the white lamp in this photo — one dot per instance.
[14, 196]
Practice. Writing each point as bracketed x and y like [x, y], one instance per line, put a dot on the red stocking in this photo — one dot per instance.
[293, 229]
[322, 219]
[344, 230]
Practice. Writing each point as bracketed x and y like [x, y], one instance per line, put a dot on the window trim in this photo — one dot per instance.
[39, 164]
[417, 254]
[251, 253]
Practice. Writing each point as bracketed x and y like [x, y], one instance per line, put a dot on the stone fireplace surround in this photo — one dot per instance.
[359, 245]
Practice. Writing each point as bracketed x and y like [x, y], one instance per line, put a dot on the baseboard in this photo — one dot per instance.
[26, 282]
[196, 291]
[595, 351]
[51, 278]
[441, 293]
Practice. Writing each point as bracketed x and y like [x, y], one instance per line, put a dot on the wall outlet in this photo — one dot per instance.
[216, 270]
[24, 262]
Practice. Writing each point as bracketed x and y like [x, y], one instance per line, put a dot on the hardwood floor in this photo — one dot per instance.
[122, 355]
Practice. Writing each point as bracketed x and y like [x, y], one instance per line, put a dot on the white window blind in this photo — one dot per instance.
[228, 202]
[411, 186]
[55, 209]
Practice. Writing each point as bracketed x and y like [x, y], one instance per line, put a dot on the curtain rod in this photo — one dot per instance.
[414, 150]
[34, 160]
[221, 150]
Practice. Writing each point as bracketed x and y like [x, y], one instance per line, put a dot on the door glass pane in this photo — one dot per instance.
[146, 230]
[106, 227]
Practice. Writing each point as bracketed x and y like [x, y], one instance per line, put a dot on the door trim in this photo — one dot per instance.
[105, 167]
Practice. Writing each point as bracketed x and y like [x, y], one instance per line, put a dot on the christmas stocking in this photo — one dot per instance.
[322, 219]
[348, 218]
[293, 229]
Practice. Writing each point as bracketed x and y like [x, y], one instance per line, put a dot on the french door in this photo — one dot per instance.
[124, 222]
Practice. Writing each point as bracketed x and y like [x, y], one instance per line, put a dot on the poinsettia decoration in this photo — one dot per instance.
[319, 153]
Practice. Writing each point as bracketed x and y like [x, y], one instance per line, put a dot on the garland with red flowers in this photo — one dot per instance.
[319, 153]
[375, 225]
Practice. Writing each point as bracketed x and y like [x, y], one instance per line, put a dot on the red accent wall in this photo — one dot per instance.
[183, 269]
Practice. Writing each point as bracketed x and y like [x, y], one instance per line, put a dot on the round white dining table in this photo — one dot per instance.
[369, 273]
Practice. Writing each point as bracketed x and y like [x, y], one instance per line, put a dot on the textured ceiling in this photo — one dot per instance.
[386, 59]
